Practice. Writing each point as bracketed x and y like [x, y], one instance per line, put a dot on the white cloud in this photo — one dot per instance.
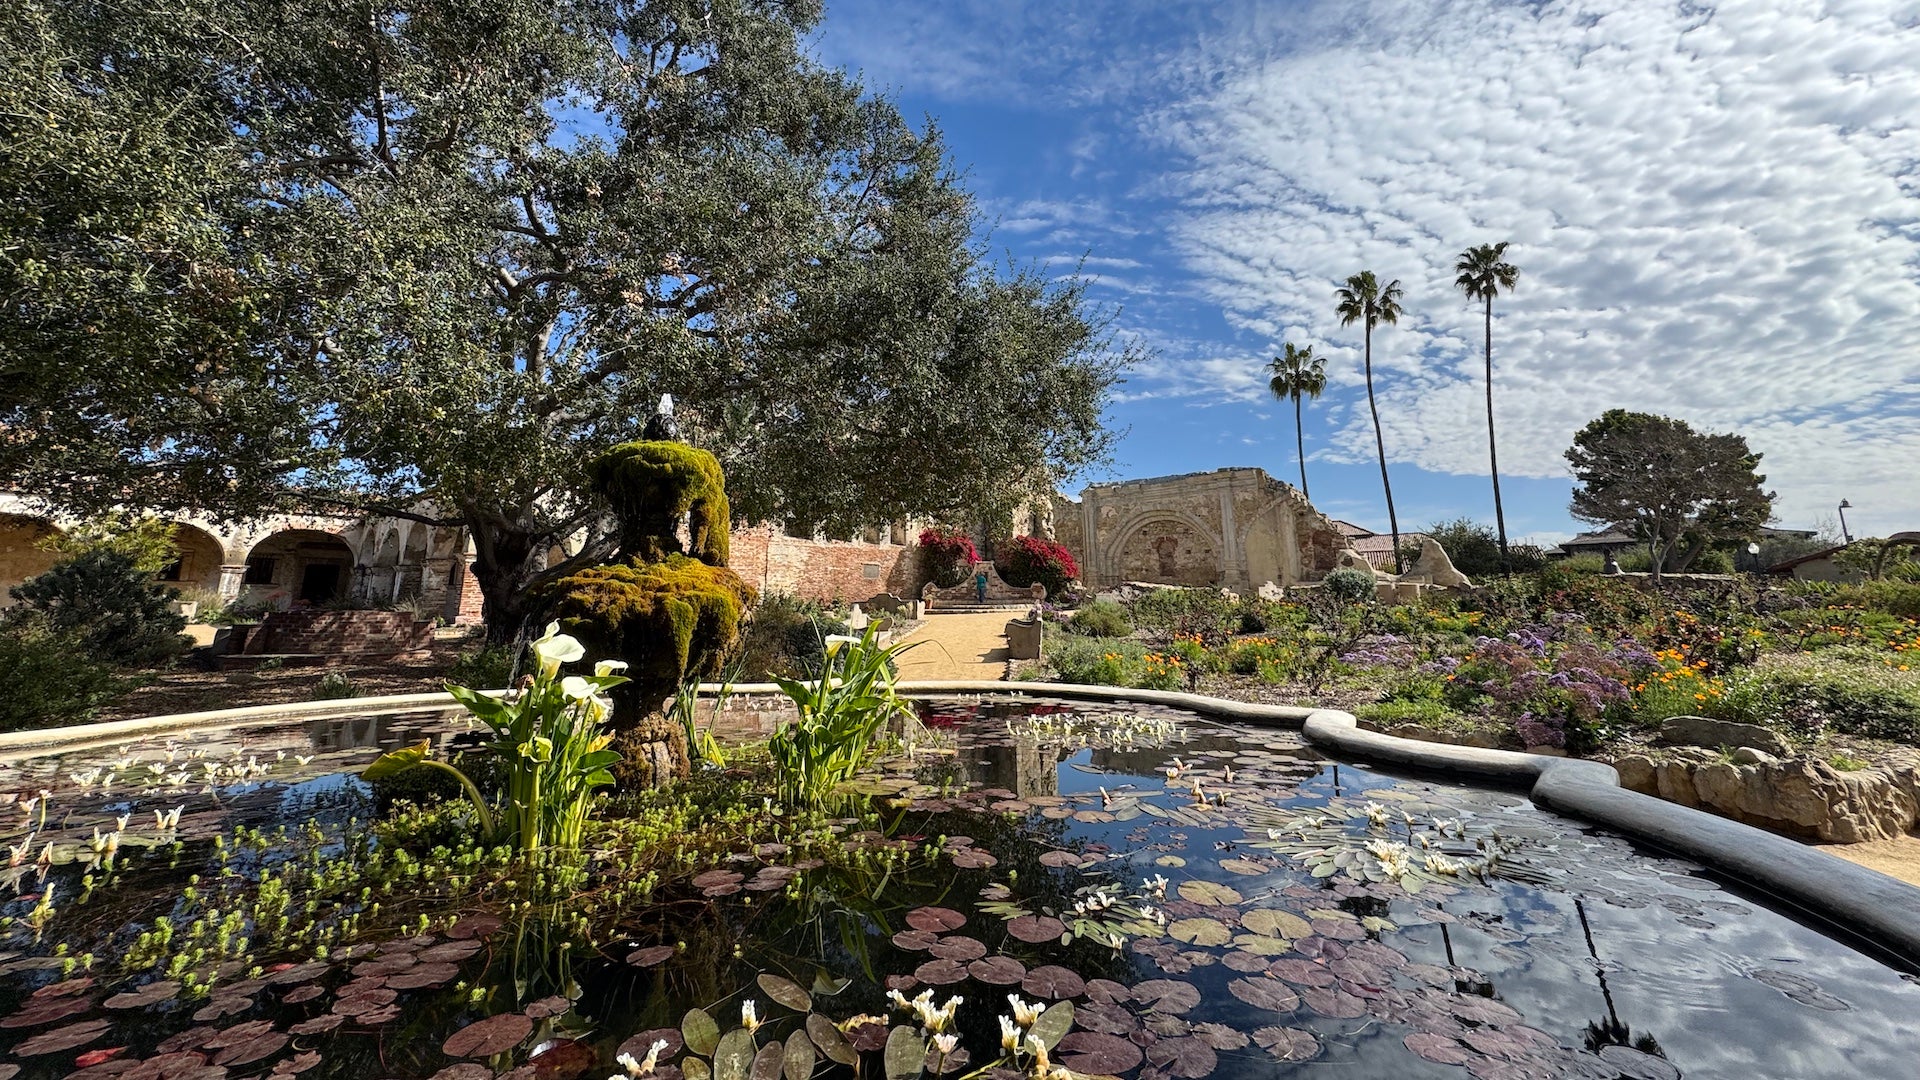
[1715, 211]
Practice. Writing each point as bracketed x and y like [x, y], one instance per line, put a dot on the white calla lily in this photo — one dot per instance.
[576, 688]
[609, 667]
[555, 648]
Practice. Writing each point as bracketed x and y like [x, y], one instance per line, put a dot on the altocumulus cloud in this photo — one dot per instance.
[1716, 210]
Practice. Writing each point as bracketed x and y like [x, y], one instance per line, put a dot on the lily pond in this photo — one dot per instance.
[1022, 888]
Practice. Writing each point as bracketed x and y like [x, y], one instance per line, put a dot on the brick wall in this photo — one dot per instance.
[463, 597]
[829, 570]
[333, 632]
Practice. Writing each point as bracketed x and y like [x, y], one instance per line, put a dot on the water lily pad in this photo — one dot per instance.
[998, 970]
[1169, 860]
[300, 973]
[1276, 923]
[1244, 962]
[1052, 981]
[867, 1037]
[451, 952]
[1200, 891]
[424, 976]
[1054, 1023]
[710, 878]
[258, 1048]
[150, 994]
[733, 1057]
[786, 992]
[553, 1005]
[1036, 929]
[797, 1057]
[1059, 859]
[1220, 1036]
[906, 1054]
[1200, 931]
[1265, 994]
[915, 940]
[1288, 1043]
[319, 1025]
[62, 1038]
[1167, 995]
[651, 955]
[638, 1045]
[973, 859]
[1333, 1004]
[699, 1032]
[221, 1005]
[1090, 1053]
[769, 1062]
[935, 920]
[1261, 945]
[827, 1038]
[46, 1011]
[1638, 1065]
[1189, 1057]
[485, 1038]
[466, 1070]
[940, 972]
[958, 948]
[1108, 992]
[302, 993]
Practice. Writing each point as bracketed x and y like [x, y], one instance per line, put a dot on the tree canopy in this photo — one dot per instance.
[428, 257]
[1677, 489]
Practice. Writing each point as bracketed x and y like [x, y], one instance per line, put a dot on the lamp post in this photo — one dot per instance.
[1753, 557]
[1845, 536]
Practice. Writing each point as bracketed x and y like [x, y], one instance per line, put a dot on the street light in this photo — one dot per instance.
[1845, 536]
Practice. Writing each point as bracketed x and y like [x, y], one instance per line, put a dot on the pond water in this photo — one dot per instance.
[1207, 899]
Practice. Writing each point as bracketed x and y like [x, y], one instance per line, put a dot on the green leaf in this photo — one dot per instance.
[799, 1057]
[733, 1058]
[395, 762]
[786, 992]
[699, 1032]
[1053, 1024]
[906, 1054]
[599, 759]
[829, 1040]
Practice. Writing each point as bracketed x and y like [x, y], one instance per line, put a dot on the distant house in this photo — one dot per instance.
[1376, 548]
[1596, 543]
[1817, 566]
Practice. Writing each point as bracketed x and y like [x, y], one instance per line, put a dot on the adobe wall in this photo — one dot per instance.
[827, 570]
[1231, 528]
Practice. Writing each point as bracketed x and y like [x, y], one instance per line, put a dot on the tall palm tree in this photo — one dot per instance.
[1298, 374]
[1484, 272]
[1363, 300]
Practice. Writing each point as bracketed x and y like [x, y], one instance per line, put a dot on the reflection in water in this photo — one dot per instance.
[1610, 1031]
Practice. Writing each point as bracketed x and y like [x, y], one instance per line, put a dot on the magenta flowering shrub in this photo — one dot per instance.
[1555, 682]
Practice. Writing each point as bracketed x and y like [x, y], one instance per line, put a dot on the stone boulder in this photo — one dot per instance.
[1434, 565]
[1801, 797]
[1706, 731]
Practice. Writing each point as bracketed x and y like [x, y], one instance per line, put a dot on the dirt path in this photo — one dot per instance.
[958, 647]
[1898, 857]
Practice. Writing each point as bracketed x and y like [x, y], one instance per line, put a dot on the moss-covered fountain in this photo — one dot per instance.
[672, 611]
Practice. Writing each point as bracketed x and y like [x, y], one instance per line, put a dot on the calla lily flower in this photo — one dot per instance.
[609, 667]
[834, 642]
[576, 688]
[555, 648]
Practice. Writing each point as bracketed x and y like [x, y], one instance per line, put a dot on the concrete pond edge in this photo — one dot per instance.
[1878, 912]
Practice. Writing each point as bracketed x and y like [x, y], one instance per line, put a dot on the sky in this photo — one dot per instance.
[1715, 209]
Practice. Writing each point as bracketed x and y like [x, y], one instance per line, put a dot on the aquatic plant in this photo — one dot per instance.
[548, 736]
[842, 713]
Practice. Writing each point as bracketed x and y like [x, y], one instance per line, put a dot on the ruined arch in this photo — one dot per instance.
[21, 554]
[201, 556]
[298, 567]
[1166, 546]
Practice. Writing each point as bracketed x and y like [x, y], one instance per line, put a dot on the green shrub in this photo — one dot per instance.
[108, 605]
[1174, 613]
[1427, 712]
[1101, 619]
[49, 680]
[1266, 657]
[490, 668]
[785, 637]
[1351, 584]
[1094, 661]
[1810, 694]
[334, 686]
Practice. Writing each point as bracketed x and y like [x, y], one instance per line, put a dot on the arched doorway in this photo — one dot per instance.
[1169, 551]
[198, 565]
[303, 567]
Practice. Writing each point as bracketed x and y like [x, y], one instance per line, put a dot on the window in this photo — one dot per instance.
[171, 571]
[870, 571]
[259, 571]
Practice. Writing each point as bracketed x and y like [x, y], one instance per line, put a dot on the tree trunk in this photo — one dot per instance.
[1300, 447]
[507, 562]
[1380, 444]
[1493, 451]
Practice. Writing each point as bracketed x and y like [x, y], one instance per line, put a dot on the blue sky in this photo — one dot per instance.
[1715, 210]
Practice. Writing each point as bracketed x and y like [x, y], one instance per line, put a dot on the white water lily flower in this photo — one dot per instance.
[1009, 1035]
[749, 1018]
[555, 648]
[609, 667]
[946, 1043]
[576, 688]
[899, 1000]
[1025, 1013]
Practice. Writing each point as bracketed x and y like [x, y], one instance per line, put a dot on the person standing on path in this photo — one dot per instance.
[980, 585]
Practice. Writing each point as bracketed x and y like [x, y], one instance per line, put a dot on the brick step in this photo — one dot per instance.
[252, 661]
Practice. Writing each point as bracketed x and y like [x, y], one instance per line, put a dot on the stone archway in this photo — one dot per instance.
[298, 567]
[1897, 540]
[201, 557]
[1168, 548]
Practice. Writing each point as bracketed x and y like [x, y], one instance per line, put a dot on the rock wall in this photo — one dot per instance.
[1802, 797]
[1233, 528]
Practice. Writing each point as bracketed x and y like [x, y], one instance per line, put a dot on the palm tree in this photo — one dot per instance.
[1298, 374]
[1363, 300]
[1484, 272]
